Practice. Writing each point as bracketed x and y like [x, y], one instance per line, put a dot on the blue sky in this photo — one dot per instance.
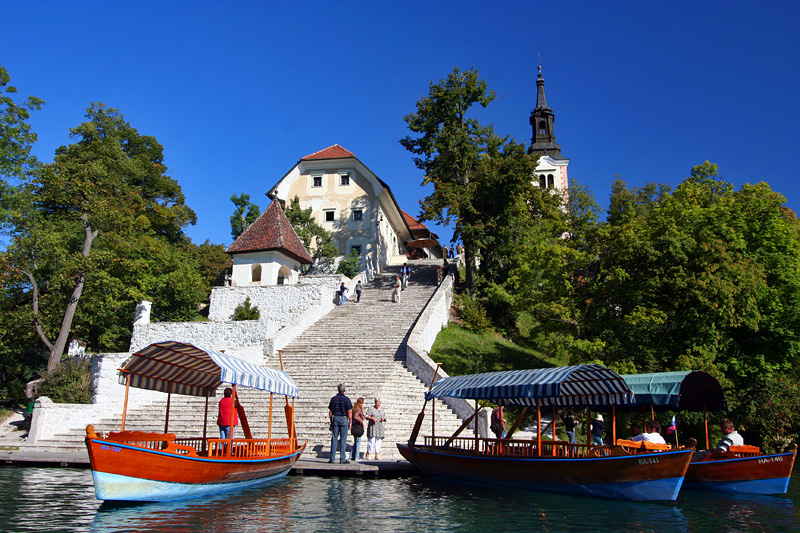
[238, 92]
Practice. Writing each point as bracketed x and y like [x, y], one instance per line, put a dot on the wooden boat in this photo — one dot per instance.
[541, 464]
[141, 466]
[743, 469]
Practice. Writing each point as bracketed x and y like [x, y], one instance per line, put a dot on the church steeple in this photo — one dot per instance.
[543, 141]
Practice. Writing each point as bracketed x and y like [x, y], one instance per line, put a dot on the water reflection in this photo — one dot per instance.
[63, 500]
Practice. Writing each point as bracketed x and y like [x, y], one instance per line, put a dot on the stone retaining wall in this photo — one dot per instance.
[420, 341]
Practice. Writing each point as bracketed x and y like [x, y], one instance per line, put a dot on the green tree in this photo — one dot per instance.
[246, 311]
[315, 238]
[350, 264]
[101, 218]
[16, 141]
[245, 214]
[212, 263]
[449, 148]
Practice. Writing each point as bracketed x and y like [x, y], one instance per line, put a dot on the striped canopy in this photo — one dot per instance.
[580, 386]
[186, 369]
[678, 391]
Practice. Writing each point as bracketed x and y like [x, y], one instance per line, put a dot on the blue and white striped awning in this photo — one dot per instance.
[186, 369]
[579, 386]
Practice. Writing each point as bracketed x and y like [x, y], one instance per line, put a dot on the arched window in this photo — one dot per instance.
[284, 274]
[542, 127]
[550, 182]
[542, 182]
[256, 274]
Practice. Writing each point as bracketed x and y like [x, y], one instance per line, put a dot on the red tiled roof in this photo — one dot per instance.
[412, 222]
[331, 152]
[271, 231]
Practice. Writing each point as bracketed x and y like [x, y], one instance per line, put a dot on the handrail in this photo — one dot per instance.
[516, 447]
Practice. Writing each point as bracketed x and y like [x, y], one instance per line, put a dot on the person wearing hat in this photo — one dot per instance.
[598, 426]
[375, 431]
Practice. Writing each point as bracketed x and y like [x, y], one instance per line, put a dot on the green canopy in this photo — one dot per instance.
[678, 391]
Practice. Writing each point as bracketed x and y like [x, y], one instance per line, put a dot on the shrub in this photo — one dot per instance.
[69, 383]
[473, 315]
[246, 311]
[350, 264]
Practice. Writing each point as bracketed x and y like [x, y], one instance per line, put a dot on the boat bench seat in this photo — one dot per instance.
[160, 441]
[743, 451]
[643, 446]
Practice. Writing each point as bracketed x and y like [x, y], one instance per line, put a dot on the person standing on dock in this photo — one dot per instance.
[224, 415]
[340, 413]
[376, 430]
[358, 429]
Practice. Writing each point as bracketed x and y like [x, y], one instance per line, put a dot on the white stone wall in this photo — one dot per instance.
[278, 304]
[108, 397]
[244, 339]
[420, 341]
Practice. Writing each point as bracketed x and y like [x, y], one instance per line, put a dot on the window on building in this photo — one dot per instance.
[328, 214]
[358, 214]
[542, 128]
[356, 248]
[281, 279]
[256, 274]
[317, 181]
[344, 179]
[542, 181]
[550, 182]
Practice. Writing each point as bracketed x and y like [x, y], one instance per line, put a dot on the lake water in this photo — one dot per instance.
[61, 499]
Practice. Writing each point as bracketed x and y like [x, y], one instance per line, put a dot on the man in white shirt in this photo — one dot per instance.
[650, 434]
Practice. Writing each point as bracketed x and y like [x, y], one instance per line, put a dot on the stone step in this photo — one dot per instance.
[360, 343]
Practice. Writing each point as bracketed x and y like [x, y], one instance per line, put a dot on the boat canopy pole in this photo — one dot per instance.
[705, 421]
[588, 426]
[550, 424]
[230, 422]
[476, 425]
[169, 397]
[516, 424]
[465, 424]
[125, 406]
[614, 423]
[205, 424]
[539, 427]
[288, 410]
[269, 426]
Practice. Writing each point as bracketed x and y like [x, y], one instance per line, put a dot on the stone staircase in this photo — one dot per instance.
[361, 344]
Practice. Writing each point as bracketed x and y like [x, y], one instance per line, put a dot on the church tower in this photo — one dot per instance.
[552, 168]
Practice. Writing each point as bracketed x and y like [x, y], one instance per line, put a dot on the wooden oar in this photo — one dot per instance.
[418, 424]
[243, 420]
[516, 424]
[288, 410]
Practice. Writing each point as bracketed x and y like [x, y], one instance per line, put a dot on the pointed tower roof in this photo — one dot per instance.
[543, 141]
[541, 100]
[271, 231]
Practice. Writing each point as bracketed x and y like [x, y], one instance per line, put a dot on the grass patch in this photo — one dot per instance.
[464, 352]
